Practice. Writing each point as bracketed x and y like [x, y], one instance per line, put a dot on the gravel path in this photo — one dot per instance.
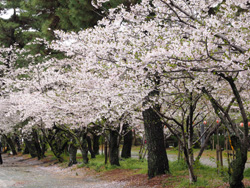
[28, 173]
[204, 160]
[207, 161]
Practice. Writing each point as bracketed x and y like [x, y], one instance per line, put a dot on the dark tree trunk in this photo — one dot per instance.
[43, 145]
[57, 141]
[36, 143]
[17, 141]
[72, 153]
[96, 144]
[106, 151]
[31, 148]
[11, 145]
[90, 147]
[1, 160]
[190, 129]
[26, 149]
[127, 144]
[84, 148]
[114, 148]
[237, 166]
[157, 156]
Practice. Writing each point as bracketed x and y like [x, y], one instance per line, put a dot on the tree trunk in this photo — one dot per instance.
[26, 149]
[37, 144]
[114, 148]
[17, 141]
[237, 166]
[57, 141]
[106, 151]
[192, 177]
[190, 149]
[72, 153]
[84, 148]
[127, 145]
[11, 145]
[157, 156]
[31, 148]
[90, 147]
[43, 145]
[187, 148]
[1, 160]
[96, 144]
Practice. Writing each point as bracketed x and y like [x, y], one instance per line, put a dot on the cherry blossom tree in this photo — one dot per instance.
[140, 49]
[212, 46]
[9, 117]
[125, 65]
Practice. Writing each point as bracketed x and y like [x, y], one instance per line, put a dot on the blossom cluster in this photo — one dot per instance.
[172, 47]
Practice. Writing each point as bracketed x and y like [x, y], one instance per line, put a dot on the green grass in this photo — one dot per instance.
[178, 168]
[206, 176]
[51, 155]
[247, 173]
[133, 164]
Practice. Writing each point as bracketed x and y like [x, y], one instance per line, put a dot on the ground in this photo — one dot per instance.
[23, 171]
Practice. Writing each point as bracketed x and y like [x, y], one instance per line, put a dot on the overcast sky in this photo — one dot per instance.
[7, 13]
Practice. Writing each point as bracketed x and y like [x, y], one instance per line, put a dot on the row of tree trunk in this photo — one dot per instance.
[60, 141]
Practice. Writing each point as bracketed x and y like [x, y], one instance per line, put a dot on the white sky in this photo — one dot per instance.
[7, 14]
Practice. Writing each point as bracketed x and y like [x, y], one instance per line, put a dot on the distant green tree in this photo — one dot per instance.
[10, 28]
[33, 19]
[79, 14]
[67, 15]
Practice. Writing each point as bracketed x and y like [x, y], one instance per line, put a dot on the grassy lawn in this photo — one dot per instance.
[140, 166]
[207, 176]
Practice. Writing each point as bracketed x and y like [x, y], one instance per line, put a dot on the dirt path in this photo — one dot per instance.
[31, 173]
[209, 161]
[205, 160]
